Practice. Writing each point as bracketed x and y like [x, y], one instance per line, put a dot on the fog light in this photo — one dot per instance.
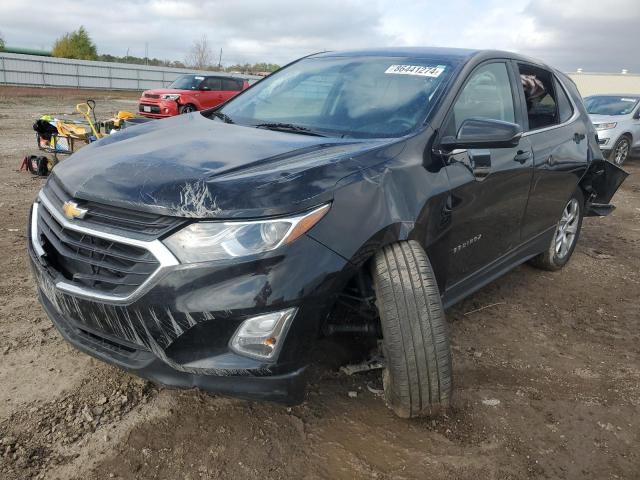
[261, 337]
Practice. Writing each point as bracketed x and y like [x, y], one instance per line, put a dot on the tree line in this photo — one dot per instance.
[79, 45]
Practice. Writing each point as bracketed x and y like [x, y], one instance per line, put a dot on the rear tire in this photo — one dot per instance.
[417, 377]
[559, 251]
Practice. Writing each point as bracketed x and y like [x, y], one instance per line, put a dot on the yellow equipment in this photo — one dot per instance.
[87, 110]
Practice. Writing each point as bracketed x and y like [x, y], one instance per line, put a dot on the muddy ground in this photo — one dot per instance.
[547, 374]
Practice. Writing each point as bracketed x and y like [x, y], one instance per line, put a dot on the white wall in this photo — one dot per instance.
[598, 83]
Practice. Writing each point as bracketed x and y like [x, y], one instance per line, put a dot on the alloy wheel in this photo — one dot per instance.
[621, 152]
[567, 228]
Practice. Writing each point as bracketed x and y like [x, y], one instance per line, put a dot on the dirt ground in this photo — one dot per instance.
[547, 374]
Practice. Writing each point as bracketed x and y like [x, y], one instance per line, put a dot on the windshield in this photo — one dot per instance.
[610, 105]
[345, 96]
[187, 82]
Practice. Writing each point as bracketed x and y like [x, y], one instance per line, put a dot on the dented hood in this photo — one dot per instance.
[193, 166]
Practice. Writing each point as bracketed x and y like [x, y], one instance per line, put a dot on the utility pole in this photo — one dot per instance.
[220, 60]
[146, 53]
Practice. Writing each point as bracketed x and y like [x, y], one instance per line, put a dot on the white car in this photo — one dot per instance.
[617, 121]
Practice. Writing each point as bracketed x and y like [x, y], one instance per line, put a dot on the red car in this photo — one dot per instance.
[188, 94]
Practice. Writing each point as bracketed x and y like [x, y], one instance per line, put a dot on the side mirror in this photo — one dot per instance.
[636, 116]
[483, 133]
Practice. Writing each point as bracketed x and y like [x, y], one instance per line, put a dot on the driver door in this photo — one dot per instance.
[489, 187]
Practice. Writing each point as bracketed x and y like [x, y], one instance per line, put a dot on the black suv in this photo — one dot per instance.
[360, 191]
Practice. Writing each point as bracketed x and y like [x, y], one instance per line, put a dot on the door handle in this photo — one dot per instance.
[578, 137]
[551, 161]
[522, 156]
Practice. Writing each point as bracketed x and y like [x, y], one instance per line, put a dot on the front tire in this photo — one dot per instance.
[417, 377]
[188, 108]
[620, 151]
[565, 236]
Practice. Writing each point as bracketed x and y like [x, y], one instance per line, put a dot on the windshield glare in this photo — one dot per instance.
[609, 105]
[345, 96]
[187, 82]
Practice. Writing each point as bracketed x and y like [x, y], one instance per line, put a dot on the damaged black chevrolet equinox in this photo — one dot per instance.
[362, 191]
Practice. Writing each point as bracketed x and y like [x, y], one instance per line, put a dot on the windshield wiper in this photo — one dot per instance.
[289, 127]
[223, 116]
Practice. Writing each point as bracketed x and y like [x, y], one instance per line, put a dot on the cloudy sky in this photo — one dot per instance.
[602, 35]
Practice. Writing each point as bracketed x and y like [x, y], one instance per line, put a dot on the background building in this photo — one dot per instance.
[594, 83]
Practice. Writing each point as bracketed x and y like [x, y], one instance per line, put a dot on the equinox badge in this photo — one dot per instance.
[71, 210]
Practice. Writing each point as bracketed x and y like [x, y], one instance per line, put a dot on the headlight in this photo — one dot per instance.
[170, 96]
[605, 126]
[205, 241]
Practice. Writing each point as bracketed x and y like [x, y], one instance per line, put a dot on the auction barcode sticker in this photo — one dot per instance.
[418, 70]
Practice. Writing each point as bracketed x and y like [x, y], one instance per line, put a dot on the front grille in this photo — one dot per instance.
[146, 225]
[105, 343]
[151, 95]
[92, 262]
[154, 108]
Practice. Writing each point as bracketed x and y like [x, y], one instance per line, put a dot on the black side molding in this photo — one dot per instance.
[598, 209]
[601, 181]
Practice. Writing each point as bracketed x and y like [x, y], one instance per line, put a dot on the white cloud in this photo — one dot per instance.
[592, 34]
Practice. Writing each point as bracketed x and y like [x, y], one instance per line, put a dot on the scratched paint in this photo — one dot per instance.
[150, 328]
[191, 166]
[196, 201]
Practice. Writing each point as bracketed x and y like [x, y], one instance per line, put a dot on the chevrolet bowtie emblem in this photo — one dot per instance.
[71, 210]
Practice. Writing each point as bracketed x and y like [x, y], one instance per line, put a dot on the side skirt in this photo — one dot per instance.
[497, 268]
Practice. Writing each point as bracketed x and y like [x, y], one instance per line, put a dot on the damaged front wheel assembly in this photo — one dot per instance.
[417, 377]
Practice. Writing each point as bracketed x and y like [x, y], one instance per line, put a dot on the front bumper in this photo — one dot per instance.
[604, 143]
[177, 333]
[287, 388]
[608, 138]
[158, 108]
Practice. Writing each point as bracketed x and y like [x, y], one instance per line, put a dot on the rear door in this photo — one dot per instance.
[211, 94]
[230, 88]
[487, 204]
[558, 137]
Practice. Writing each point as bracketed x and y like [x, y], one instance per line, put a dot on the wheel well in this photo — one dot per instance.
[626, 134]
[354, 310]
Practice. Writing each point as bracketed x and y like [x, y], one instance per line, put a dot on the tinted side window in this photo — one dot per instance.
[487, 94]
[565, 109]
[542, 108]
[231, 84]
[211, 83]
